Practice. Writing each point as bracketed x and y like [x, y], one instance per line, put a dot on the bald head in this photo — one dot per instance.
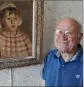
[70, 21]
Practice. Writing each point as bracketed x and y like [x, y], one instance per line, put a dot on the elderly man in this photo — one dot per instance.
[64, 65]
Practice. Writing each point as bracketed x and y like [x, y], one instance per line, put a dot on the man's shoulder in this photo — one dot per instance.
[51, 55]
[52, 52]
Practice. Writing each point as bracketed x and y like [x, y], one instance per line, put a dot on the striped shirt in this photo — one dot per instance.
[15, 45]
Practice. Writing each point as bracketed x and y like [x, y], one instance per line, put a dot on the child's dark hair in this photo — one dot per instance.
[11, 10]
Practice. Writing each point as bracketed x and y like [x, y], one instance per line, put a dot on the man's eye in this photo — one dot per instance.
[68, 33]
[58, 32]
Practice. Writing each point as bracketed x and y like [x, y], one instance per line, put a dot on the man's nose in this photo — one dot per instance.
[64, 36]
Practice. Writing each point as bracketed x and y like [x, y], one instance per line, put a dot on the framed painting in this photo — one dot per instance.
[21, 33]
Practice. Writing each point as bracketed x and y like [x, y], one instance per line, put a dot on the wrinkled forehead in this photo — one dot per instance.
[68, 24]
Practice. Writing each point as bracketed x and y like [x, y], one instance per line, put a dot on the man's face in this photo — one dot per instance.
[11, 22]
[67, 36]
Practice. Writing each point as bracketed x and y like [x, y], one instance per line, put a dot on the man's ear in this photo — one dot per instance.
[80, 36]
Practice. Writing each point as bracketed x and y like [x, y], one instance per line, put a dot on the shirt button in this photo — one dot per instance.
[63, 65]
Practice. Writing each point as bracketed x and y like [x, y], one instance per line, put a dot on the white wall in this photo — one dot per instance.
[53, 10]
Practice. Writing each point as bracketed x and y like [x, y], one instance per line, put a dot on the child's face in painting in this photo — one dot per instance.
[11, 21]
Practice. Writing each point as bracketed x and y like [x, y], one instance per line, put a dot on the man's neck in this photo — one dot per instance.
[68, 56]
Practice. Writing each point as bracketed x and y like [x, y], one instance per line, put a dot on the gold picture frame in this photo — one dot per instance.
[37, 36]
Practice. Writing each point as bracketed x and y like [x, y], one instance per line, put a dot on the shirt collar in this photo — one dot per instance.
[58, 54]
[74, 57]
